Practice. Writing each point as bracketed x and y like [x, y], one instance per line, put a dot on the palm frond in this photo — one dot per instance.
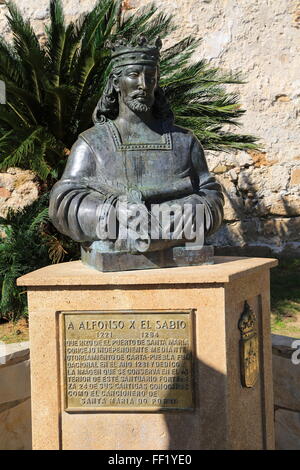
[144, 22]
[27, 47]
[9, 118]
[21, 251]
[31, 146]
[10, 64]
[25, 98]
[56, 37]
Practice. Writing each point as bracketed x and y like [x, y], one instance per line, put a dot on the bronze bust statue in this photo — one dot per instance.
[134, 152]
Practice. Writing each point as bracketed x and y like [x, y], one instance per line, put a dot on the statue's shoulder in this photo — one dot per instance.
[181, 133]
[186, 138]
[93, 134]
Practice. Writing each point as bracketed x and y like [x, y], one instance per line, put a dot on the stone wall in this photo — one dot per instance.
[18, 188]
[286, 380]
[15, 406]
[260, 38]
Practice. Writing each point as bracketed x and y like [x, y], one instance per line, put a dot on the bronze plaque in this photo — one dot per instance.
[127, 360]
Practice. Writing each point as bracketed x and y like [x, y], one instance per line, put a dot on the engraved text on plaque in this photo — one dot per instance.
[127, 361]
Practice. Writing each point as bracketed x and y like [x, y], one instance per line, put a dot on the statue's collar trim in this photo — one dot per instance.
[165, 144]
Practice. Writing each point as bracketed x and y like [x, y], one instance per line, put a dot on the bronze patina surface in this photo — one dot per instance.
[171, 257]
[127, 361]
[134, 153]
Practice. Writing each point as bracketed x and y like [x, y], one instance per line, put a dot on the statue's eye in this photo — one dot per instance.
[133, 74]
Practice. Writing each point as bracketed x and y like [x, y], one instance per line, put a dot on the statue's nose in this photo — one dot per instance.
[142, 82]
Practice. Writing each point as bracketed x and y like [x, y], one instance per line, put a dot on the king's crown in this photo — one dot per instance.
[138, 51]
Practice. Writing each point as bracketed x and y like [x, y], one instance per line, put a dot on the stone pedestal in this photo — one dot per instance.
[232, 403]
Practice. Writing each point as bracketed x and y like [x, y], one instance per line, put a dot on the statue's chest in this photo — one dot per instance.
[141, 163]
[141, 167]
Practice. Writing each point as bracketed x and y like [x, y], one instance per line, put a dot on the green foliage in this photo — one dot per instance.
[27, 244]
[20, 238]
[52, 88]
[285, 289]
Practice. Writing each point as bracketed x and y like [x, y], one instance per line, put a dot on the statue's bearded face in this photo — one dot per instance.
[136, 86]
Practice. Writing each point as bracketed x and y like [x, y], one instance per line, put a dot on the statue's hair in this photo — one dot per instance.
[108, 105]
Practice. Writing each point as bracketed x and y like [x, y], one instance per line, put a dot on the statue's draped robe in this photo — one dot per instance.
[101, 167]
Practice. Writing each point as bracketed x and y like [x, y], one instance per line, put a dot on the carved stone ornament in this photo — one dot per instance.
[249, 351]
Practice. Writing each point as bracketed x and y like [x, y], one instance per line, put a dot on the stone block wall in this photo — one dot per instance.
[286, 383]
[15, 405]
[262, 40]
[18, 188]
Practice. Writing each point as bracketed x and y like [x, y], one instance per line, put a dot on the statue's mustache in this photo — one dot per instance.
[138, 94]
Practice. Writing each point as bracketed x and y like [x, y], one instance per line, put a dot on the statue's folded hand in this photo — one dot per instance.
[130, 213]
[133, 225]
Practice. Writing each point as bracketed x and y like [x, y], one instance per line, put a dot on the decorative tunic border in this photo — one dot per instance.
[166, 145]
